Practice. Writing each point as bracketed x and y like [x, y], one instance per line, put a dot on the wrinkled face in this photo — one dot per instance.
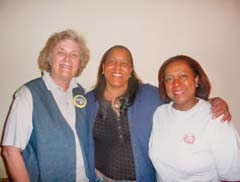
[180, 83]
[65, 61]
[117, 69]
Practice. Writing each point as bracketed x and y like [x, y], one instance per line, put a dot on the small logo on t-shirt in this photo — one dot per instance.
[189, 138]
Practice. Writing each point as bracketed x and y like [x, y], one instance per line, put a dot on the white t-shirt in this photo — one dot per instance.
[19, 123]
[189, 146]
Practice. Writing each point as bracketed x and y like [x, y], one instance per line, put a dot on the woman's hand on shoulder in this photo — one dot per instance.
[220, 107]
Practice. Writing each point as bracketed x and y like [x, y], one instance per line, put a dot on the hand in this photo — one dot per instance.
[219, 107]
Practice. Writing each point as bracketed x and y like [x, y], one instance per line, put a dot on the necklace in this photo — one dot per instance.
[116, 104]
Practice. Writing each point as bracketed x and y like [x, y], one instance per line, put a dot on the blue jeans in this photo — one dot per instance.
[100, 177]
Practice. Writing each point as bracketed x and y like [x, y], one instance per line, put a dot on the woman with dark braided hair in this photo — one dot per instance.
[120, 110]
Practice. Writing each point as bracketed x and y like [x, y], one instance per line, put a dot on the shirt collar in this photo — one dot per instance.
[51, 85]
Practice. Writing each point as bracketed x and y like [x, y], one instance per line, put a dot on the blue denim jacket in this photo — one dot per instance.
[140, 123]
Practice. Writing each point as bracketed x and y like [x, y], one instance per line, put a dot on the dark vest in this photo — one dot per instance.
[50, 155]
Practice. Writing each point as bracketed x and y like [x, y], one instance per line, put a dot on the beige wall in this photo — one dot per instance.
[154, 30]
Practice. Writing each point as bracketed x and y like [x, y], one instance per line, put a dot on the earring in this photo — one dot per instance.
[102, 73]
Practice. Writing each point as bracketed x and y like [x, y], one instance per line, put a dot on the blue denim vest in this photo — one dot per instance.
[50, 154]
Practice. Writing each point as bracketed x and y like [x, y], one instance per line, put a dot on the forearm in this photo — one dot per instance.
[15, 164]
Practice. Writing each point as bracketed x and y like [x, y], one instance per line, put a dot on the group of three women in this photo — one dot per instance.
[118, 131]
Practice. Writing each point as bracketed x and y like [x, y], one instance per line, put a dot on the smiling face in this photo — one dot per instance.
[180, 84]
[65, 62]
[117, 69]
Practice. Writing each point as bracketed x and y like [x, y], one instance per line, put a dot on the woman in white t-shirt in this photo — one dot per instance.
[186, 143]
